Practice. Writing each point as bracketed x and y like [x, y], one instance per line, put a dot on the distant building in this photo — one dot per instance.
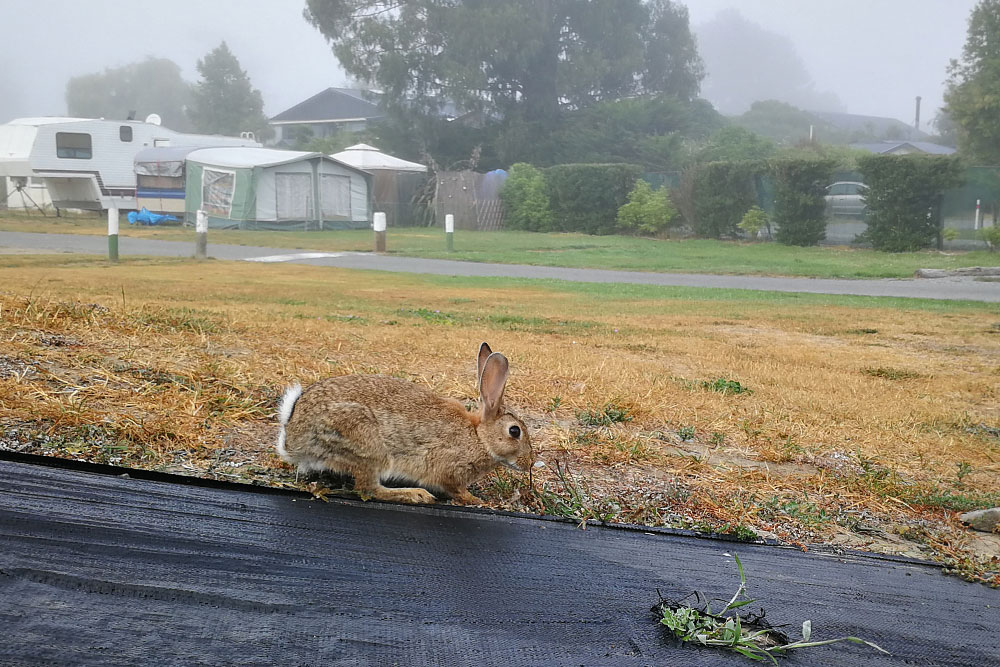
[904, 147]
[325, 114]
[346, 109]
[875, 127]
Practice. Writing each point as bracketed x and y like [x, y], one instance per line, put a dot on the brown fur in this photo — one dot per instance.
[377, 427]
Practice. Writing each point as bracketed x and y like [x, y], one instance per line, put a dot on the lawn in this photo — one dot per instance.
[569, 250]
[855, 422]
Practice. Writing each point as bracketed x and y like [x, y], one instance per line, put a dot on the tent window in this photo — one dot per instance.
[217, 191]
[335, 193]
[294, 196]
[74, 145]
[160, 182]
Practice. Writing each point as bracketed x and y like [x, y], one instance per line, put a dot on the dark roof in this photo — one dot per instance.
[921, 146]
[333, 104]
[875, 125]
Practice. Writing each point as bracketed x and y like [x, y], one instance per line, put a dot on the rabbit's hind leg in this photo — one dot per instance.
[368, 486]
[353, 443]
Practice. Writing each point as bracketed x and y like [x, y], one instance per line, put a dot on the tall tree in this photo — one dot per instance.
[224, 101]
[153, 85]
[747, 63]
[972, 97]
[524, 59]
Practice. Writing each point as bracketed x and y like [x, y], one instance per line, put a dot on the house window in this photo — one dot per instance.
[74, 145]
[125, 133]
[217, 191]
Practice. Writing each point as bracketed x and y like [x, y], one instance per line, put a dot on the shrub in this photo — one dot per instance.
[799, 206]
[723, 192]
[904, 198]
[991, 236]
[753, 221]
[586, 197]
[648, 211]
[526, 199]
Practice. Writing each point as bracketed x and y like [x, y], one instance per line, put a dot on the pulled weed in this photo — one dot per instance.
[747, 634]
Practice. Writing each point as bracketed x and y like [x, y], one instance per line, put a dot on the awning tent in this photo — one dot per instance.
[370, 158]
[396, 181]
[160, 178]
[263, 188]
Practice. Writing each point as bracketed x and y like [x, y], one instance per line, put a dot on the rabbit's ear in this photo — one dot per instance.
[492, 384]
[484, 353]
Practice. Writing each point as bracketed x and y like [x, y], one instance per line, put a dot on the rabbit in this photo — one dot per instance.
[379, 428]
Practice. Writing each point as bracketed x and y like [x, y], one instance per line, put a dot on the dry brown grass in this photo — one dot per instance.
[864, 426]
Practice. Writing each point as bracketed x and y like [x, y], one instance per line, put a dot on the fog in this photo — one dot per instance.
[871, 56]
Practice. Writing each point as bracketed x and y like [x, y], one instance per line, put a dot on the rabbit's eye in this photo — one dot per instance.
[515, 431]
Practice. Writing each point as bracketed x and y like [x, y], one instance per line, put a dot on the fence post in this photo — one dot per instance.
[449, 231]
[113, 233]
[378, 224]
[201, 231]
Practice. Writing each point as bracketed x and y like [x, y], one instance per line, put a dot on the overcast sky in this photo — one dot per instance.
[875, 55]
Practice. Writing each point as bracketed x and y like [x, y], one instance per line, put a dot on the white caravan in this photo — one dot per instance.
[83, 163]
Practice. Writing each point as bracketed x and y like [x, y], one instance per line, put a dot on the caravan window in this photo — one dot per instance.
[74, 145]
[217, 191]
[125, 133]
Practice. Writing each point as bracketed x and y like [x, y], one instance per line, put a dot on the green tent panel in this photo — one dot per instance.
[262, 188]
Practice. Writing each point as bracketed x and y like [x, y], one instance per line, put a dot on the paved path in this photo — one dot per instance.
[100, 568]
[958, 288]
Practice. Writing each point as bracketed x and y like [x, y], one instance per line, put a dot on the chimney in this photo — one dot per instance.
[916, 121]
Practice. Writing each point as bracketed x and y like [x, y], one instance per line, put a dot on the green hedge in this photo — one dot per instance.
[586, 197]
[904, 197]
[799, 204]
[723, 193]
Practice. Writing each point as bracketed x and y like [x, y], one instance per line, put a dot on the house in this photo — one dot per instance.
[904, 148]
[267, 188]
[345, 109]
[325, 114]
[84, 163]
[870, 127]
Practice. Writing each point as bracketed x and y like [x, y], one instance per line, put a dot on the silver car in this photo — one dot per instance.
[845, 198]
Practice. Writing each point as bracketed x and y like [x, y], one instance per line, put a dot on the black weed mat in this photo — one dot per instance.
[97, 569]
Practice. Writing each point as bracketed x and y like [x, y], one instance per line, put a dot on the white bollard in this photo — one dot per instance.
[449, 230]
[113, 234]
[201, 229]
[378, 224]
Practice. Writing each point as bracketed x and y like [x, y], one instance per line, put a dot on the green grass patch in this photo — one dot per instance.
[607, 415]
[891, 373]
[724, 386]
[563, 249]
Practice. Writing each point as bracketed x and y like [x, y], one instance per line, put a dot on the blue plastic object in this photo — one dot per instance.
[144, 217]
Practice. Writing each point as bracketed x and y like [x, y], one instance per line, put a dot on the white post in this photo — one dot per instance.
[113, 233]
[449, 231]
[979, 220]
[378, 224]
[201, 230]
